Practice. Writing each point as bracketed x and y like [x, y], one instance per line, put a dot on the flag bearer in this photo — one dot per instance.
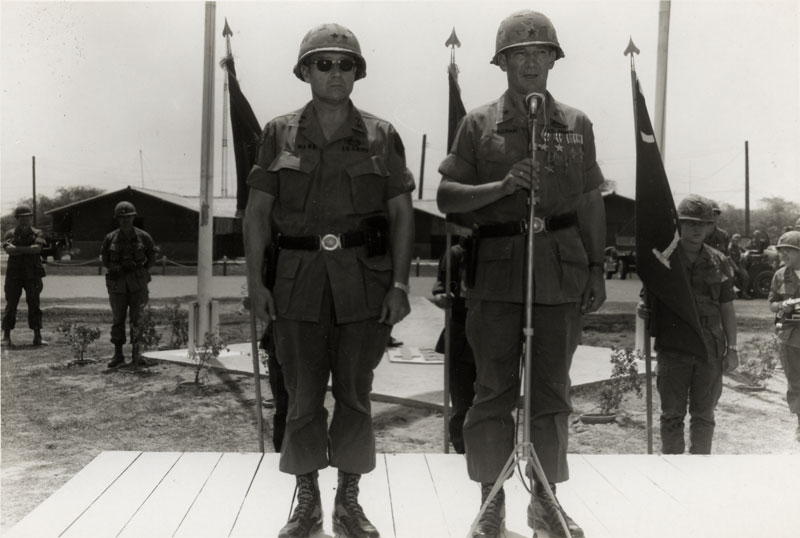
[684, 378]
[487, 176]
[127, 253]
[784, 300]
[331, 188]
[25, 271]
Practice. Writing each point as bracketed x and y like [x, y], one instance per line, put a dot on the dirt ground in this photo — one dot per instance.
[56, 418]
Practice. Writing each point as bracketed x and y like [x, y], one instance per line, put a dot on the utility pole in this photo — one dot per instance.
[422, 166]
[34, 189]
[662, 60]
[141, 167]
[226, 33]
[746, 188]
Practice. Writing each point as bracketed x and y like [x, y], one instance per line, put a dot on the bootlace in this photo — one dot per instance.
[491, 516]
[306, 498]
[350, 499]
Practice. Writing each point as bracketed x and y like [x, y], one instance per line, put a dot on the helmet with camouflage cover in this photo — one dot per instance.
[124, 209]
[23, 211]
[697, 208]
[789, 240]
[524, 28]
[331, 37]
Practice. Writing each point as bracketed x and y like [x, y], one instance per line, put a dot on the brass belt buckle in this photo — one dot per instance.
[538, 225]
[330, 242]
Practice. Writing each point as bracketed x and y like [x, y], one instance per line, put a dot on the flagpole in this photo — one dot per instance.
[632, 50]
[660, 127]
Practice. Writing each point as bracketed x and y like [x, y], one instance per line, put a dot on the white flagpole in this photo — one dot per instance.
[660, 123]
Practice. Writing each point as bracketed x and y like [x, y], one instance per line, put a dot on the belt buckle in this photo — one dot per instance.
[330, 242]
[539, 225]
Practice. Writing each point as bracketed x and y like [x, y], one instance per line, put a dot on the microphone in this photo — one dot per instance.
[533, 101]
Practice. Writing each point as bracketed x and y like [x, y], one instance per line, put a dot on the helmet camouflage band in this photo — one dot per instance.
[789, 240]
[23, 211]
[695, 207]
[525, 28]
[124, 209]
[331, 37]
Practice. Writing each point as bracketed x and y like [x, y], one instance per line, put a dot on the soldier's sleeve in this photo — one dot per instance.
[152, 250]
[104, 250]
[726, 292]
[592, 173]
[401, 180]
[460, 165]
[259, 178]
[777, 279]
[39, 239]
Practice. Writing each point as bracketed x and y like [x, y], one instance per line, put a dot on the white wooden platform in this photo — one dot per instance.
[197, 495]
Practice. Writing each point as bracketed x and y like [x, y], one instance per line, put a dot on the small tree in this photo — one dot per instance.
[761, 367]
[212, 347]
[178, 320]
[79, 337]
[145, 333]
[624, 378]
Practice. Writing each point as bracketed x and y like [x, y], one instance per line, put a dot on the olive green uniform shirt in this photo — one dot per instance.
[329, 187]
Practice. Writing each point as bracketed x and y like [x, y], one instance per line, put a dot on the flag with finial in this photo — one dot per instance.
[245, 128]
[456, 110]
[657, 233]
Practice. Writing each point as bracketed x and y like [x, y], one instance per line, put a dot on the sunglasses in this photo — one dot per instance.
[325, 65]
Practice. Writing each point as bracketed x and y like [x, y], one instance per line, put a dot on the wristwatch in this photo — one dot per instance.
[401, 286]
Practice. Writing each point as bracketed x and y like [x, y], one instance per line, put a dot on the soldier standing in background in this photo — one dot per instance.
[718, 238]
[331, 182]
[127, 253]
[487, 177]
[735, 251]
[25, 271]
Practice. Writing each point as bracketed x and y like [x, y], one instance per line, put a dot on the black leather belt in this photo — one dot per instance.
[322, 242]
[520, 227]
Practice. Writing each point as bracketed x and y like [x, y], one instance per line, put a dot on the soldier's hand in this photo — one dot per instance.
[441, 300]
[395, 307]
[642, 311]
[524, 174]
[731, 360]
[595, 293]
[262, 303]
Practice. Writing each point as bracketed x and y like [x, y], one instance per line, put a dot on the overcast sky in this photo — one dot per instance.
[86, 86]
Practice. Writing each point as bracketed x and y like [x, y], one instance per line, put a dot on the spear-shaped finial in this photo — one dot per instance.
[632, 49]
[452, 42]
[226, 32]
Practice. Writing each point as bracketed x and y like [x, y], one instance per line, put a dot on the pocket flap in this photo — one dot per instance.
[373, 165]
[286, 159]
[495, 249]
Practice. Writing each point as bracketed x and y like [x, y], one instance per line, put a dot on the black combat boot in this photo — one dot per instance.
[37, 338]
[7, 337]
[118, 359]
[543, 514]
[307, 516]
[492, 521]
[348, 516]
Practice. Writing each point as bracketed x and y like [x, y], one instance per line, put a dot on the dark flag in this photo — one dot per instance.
[246, 132]
[657, 232]
[456, 109]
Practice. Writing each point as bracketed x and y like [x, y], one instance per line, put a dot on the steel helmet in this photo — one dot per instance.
[331, 37]
[696, 207]
[22, 211]
[124, 209]
[715, 207]
[523, 28]
[797, 225]
[789, 240]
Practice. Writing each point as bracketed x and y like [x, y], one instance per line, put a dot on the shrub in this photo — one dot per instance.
[761, 367]
[178, 320]
[145, 333]
[212, 347]
[625, 378]
[79, 338]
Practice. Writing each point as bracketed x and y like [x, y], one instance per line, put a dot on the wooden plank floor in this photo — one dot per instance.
[215, 495]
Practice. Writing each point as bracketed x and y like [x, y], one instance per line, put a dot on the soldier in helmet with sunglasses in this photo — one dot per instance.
[487, 177]
[331, 190]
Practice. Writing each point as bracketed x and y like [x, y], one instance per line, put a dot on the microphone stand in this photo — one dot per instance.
[525, 450]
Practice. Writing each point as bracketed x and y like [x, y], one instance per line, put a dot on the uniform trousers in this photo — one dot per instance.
[461, 375]
[121, 303]
[13, 290]
[790, 360]
[686, 379]
[309, 354]
[494, 331]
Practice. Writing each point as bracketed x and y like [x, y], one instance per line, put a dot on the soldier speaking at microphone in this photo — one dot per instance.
[487, 176]
[331, 188]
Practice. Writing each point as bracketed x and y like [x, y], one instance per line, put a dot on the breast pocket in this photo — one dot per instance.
[294, 179]
[368, 183]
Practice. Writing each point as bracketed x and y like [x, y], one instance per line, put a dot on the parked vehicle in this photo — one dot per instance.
[620, 258]
[760, 266]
